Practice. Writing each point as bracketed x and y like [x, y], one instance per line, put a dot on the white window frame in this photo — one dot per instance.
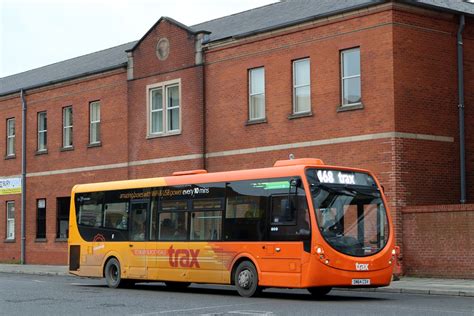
[250, 72]
[42, 147]
[164, 86]
[94, 122]
[349, 77]
[295, 86]
[67, 144]
[11, 137]
[10, 228]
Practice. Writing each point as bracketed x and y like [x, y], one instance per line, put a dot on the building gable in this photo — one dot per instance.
[167, 46]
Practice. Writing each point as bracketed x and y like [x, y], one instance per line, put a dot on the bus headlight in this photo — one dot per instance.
[319, 250]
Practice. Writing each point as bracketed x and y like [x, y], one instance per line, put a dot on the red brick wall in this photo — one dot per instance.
[190, 139]
[181, 52]
[111, 90]
[425, 76]
[227, 99]
[438, 241]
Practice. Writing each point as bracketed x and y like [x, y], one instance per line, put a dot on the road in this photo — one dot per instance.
[66, 295]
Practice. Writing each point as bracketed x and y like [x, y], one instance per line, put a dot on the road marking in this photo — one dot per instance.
[192, 309]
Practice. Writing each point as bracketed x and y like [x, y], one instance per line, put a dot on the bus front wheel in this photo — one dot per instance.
[246, 279]
[319, 291]
[113, 274]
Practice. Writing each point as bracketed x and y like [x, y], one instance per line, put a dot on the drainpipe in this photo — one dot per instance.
[199, 60]
[204, 134]
[23, 176]
[461, 109]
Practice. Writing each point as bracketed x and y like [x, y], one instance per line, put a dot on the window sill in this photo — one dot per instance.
[253, 122]
[299, 115]
[93, 145]
[10, 157]
[350, 107]
[152, 136]
[41, 240]
[60, 240]
[41, 152]
[70, 148]
[9, 241]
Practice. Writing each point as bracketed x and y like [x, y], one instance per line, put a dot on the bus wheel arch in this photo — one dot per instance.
[245, 277]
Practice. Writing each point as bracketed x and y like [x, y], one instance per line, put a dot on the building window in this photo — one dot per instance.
[350, 71]
[41, 219]
[301, 86]
[42, 131]
[257, 94]
[94, 128]
[10, 220]
[67, 127]
[10, 137]
[164, 109]
[62, 217]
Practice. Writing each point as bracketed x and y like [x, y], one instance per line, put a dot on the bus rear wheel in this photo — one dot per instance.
[246, 279]
[319, 291]
[113, 275]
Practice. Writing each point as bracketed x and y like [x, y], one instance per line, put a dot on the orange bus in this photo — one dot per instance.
[298, 224]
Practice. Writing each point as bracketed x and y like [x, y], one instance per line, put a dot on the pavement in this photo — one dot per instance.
[408, 285]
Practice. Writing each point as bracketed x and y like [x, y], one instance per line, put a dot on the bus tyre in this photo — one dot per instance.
[113, 274]
[246, 279]
[319, 291]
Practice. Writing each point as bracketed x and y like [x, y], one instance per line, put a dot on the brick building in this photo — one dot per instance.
[370, 84]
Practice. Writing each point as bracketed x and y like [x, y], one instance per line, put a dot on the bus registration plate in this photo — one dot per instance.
[360, 281]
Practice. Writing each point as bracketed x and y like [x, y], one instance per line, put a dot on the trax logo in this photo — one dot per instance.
[346, 178]
[185, 258]
[362, 266]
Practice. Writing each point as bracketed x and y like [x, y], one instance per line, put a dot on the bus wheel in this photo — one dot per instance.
[319, 291]
[177, 285]
[246, 279]
[113, 274]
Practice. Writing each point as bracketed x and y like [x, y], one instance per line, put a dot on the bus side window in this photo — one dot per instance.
[173, 226]
[138, 222]
[283, 211]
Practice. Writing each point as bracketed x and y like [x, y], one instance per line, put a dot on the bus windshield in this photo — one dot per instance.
[349, 210]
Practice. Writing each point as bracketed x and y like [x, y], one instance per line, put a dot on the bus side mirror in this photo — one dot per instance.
[295, 183]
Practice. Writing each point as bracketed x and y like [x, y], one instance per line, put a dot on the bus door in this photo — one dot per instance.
[139, 248]
[173, 256]
[287, 227]
[205, 252]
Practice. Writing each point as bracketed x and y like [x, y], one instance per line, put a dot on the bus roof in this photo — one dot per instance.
[281, 168]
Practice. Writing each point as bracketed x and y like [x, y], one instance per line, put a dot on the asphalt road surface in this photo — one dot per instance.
[67, 295]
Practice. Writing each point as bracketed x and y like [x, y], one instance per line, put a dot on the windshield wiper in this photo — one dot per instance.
[335, 190]
[359, 191]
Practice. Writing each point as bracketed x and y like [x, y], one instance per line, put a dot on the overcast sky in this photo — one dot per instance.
[35, 33]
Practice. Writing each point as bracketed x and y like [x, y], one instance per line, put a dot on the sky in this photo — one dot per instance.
[35, 33]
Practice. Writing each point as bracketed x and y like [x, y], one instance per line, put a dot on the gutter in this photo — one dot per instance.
[462, 148]
[23, 176]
